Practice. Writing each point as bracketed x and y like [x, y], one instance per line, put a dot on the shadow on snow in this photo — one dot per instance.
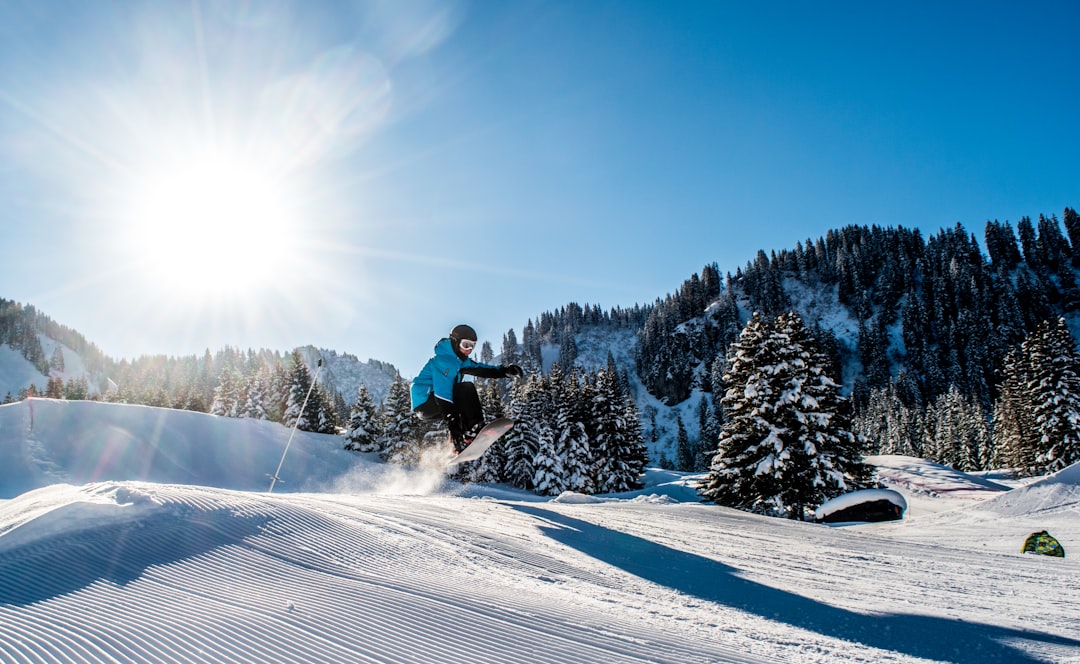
[928, 637]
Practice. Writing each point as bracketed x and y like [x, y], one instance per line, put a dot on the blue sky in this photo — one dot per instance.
[362, 176]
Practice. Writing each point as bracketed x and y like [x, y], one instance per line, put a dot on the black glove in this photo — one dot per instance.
[511, 370]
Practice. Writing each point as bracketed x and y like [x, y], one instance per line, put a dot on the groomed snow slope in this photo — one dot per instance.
[430, 571]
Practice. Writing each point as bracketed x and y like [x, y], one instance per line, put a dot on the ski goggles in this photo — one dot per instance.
[466, 345]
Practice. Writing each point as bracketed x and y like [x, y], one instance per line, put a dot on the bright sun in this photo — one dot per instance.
[210, 225]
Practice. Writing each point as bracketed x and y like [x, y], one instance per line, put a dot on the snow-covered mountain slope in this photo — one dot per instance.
[345, 373]
[46, 441]
[17, 373]
[402, 565]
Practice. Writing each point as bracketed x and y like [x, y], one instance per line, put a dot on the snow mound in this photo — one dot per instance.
[64, 510]
[1059, 492]
[575, 498]
[859, 497]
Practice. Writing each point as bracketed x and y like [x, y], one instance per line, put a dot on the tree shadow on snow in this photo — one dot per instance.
[118, 553]
[928, 637]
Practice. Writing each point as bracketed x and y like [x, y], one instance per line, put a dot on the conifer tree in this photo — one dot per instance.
[572, 441]
[319, 415]
[227, 395]
[1054, 389]
[619, 454]
[400, 430]
[256, 396]
[547, 462]
[1014, 431]
[362, 430]
[568, 350]
[786, 445]
[957, 433]
[524, 440]
[685, 459]
[56, 362]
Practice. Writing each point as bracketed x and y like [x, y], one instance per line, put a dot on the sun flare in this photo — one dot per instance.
[210, 225]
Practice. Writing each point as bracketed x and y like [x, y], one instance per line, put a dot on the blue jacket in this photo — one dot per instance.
[444, 370]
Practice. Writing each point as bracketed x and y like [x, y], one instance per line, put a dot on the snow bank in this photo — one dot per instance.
[858, 498]
[1057, 493]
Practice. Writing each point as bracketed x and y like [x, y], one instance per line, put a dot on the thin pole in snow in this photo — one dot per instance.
[274, 478]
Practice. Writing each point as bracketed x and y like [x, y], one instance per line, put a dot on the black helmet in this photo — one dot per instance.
[462, 332]
[459, 334]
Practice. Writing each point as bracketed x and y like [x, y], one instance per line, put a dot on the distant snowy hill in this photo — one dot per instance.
[143, 534]
[17, 373]
[345, 373]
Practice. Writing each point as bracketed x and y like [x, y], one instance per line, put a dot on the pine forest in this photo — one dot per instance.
[868, 340]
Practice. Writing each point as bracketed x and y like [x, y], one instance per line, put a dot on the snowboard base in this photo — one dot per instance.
[491, 432]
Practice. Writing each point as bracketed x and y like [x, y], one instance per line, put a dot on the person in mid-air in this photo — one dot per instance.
[438, 391]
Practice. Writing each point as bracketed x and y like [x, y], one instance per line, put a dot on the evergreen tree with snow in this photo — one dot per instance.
[56, 362]
[572, 439]
[619, 454]
[633, 454]
[362, 428]
[685, 458]
[1014, 432]
[956, 432]
[547, 463]
[228, 394]
[256, 396]
[568, 350]
[524, 440]
[787, 443]
[1054, 391]
[888, 425]
[400, 429]
[319, 415]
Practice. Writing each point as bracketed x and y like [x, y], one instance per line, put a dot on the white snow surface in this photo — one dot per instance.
[134, 534]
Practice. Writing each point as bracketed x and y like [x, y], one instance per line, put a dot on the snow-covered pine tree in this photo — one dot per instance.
[1054, 389]
[56, 362]
[708, 428]
[548, 472]
[603, 428]
[320, 414]
[684, 453]
[487, 354]
[325, 410]
[786, 445]
[399, 439]
[256, 399]
[227, 394]
[531, 359]
[510, 352]
[523, 441]
[299, 384]
[619, 455]
[633, 454]
[888, 425]
[572, 440]
[957, 432]
[568, 350]
[362, 429]
[1014, 432]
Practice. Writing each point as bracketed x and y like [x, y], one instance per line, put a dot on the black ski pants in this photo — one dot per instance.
[464, 413]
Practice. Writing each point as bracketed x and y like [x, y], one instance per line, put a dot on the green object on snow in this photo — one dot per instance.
[1043, 543]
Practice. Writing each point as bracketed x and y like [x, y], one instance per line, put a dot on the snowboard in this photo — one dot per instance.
[491, 432]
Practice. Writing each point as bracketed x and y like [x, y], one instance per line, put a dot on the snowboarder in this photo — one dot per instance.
[438, 391]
